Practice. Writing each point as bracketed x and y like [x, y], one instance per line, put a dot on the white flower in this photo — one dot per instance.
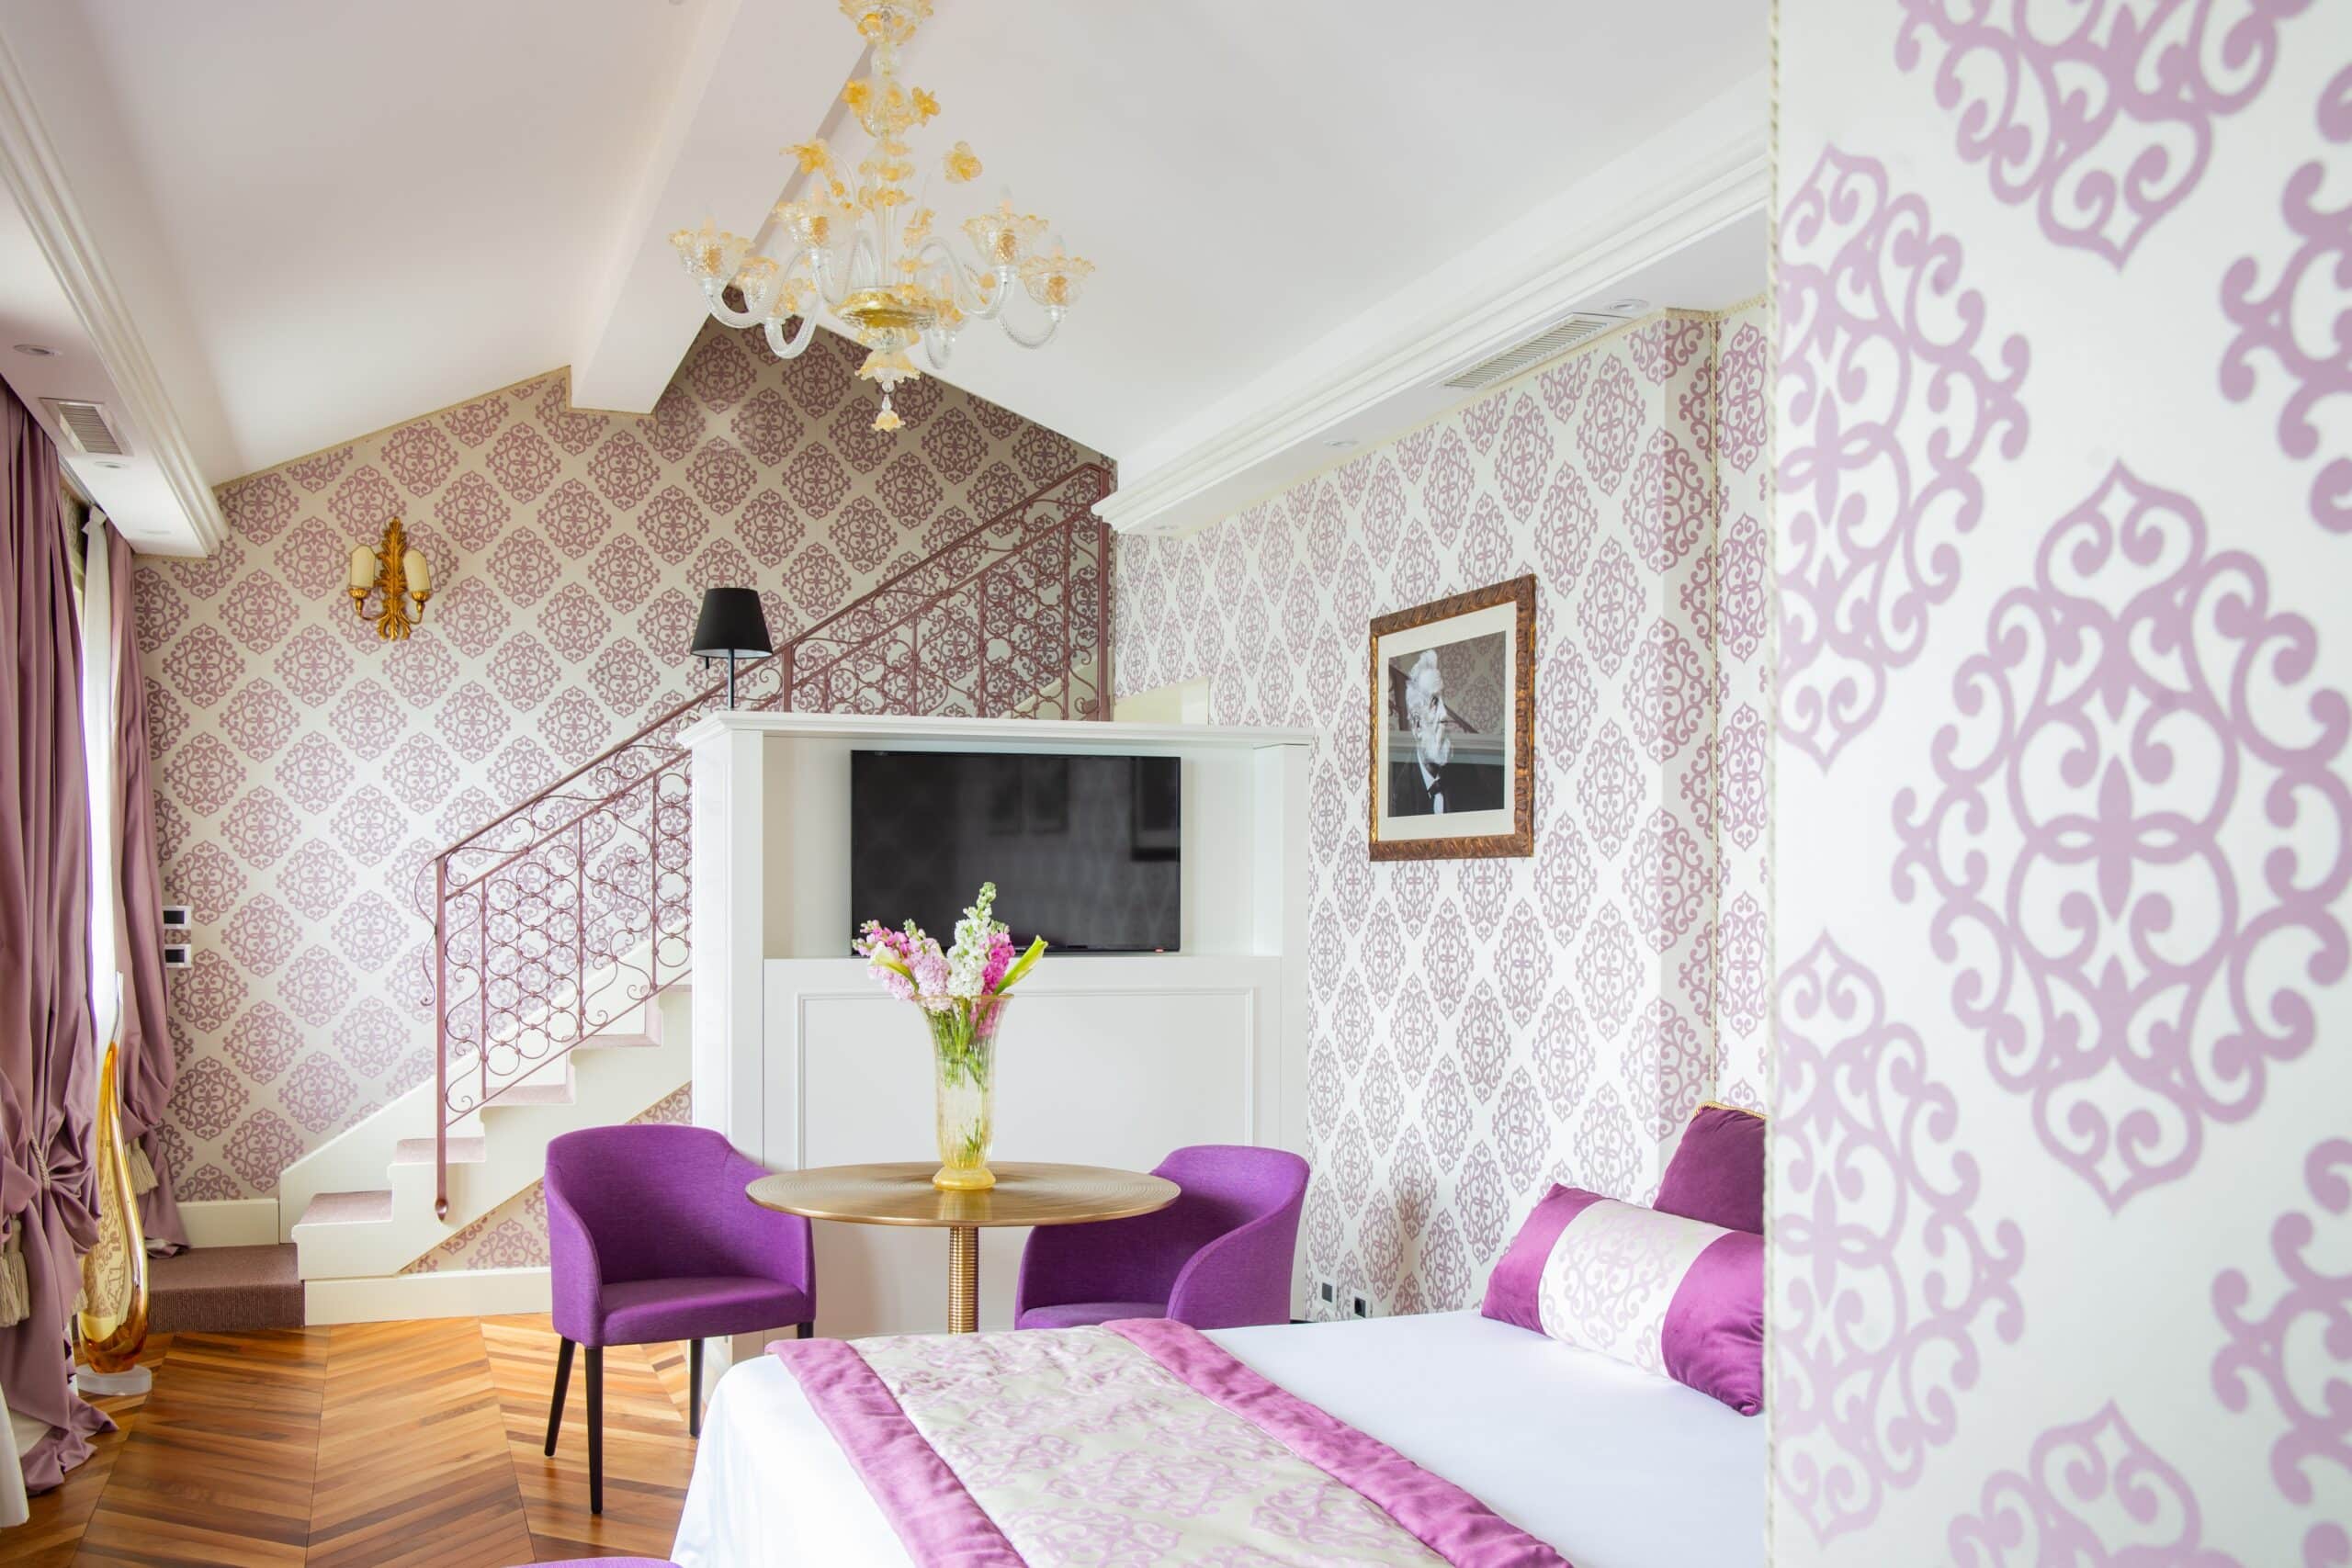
[967, 961]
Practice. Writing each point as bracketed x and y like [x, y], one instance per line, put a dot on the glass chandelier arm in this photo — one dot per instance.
[1032, 339]
[795, 345]
[965, 280]
[716, 294]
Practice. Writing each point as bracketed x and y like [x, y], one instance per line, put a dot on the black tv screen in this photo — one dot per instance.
[1085, 852]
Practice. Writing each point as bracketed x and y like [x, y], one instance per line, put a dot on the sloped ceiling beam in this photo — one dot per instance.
[760, 74]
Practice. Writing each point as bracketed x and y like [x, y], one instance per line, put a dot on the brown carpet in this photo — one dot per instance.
[219, 1290]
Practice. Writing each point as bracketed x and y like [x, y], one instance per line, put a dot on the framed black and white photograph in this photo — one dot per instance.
[1454, 725]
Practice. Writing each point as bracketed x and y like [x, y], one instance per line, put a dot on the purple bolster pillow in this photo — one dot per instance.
[1673, 1295]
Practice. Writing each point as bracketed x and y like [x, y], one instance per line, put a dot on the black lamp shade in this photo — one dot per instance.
[731, 623]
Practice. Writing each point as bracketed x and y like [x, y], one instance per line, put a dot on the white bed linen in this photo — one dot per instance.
[1614, 1467]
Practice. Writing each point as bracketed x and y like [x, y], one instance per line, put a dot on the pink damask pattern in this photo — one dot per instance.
[1890, 406]
[1481, 1026]
[2092, 1494]
[1891, 1280]
[306, 770]
[2128, 966]
[2102, 115]
[2285, 322]
[2273, 1363]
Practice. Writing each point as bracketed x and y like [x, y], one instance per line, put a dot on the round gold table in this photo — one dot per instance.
[900, 1193]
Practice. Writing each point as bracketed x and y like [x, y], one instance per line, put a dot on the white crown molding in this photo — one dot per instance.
[1711, 170]
[36, 177]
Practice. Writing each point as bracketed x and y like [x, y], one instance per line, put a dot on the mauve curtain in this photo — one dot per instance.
[143, 1031]
[47, 1068]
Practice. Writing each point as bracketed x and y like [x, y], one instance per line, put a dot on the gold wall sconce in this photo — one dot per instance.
[396, 573]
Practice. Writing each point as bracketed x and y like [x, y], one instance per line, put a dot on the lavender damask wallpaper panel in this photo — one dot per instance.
[1483, 1026]
[2061, 1219]
[307, 770]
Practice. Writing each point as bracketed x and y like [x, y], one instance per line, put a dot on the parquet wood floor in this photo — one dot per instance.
[369, 1444]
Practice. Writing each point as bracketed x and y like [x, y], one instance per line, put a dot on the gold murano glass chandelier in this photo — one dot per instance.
[860, 247]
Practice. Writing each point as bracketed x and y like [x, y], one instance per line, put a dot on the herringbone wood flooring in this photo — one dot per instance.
[371, 1443]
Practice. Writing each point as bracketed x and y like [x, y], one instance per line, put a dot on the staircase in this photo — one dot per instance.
[561, 928]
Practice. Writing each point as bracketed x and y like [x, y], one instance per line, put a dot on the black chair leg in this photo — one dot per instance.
[804, 1331]
[562, 1381]
[596, 1428]
[694, 1390]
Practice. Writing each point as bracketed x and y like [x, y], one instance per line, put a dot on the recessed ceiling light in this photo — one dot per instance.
[1627, 307]
[109, 463]
[1341, 443]
[36, 350]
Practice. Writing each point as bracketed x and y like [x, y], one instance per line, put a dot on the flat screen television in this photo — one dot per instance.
[1086, 851]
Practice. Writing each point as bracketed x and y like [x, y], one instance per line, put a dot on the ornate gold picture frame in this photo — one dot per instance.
[1453, 764]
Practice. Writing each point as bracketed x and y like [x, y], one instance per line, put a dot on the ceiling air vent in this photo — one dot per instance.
[1549, 343]
[85, 426]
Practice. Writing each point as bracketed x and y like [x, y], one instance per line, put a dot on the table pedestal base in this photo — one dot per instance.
[963, 1278]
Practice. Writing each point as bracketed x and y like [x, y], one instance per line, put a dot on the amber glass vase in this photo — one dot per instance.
[112, 1321]
[963, 1049]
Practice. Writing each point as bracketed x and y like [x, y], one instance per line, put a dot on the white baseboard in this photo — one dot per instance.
[459, 1292]
[230, 1221]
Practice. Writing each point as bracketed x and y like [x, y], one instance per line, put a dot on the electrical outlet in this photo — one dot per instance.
[1327, 1293]
[1359, 1305]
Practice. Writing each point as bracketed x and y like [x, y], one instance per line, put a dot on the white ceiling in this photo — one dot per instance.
[326, 218]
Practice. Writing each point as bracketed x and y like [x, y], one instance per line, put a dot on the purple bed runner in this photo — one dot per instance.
[1136, 1442]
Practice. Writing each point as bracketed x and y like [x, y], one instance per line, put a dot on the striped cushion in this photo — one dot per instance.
[1675, 1296]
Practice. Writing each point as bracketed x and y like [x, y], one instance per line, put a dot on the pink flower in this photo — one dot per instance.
[999, 960]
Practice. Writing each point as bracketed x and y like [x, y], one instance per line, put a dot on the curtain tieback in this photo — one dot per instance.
[16, 1295]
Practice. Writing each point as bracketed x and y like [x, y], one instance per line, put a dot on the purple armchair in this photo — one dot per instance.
[1219, 1257]
[650, 1238]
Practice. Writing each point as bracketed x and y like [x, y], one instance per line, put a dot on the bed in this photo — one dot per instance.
[1613, 1466]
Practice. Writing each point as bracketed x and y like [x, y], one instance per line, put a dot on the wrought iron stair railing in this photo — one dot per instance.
[570, 911]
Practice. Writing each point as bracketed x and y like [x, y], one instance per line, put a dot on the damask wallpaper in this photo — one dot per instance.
[2062, 1224]
[1481, 1027]
[308, 771]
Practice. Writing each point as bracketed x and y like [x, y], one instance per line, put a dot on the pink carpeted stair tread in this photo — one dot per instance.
[216, 1289]
[347, 1209]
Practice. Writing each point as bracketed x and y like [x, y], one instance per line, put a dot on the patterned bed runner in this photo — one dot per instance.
[1128, 1446]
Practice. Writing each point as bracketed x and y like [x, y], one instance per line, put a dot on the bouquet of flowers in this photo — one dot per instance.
[962, 993]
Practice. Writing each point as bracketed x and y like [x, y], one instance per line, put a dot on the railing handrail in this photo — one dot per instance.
[718, 689]
[1012, 553]
[967, 536]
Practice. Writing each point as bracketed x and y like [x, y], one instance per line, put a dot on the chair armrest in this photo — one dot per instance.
[576, 1277]
[1241, 1278]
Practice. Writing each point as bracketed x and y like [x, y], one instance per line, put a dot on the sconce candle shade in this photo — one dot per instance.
[731, 626]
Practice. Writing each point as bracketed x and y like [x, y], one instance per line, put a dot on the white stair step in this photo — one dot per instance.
[463, 1151]
[617, 1043]
[348, 1209]
[559, 1093]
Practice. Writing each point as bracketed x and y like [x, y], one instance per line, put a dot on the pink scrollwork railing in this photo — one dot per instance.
[570, 911]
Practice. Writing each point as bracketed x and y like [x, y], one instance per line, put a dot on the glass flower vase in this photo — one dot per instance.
[963, 1047]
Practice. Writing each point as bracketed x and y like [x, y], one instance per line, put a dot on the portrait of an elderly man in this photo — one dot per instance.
[1429, 773]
